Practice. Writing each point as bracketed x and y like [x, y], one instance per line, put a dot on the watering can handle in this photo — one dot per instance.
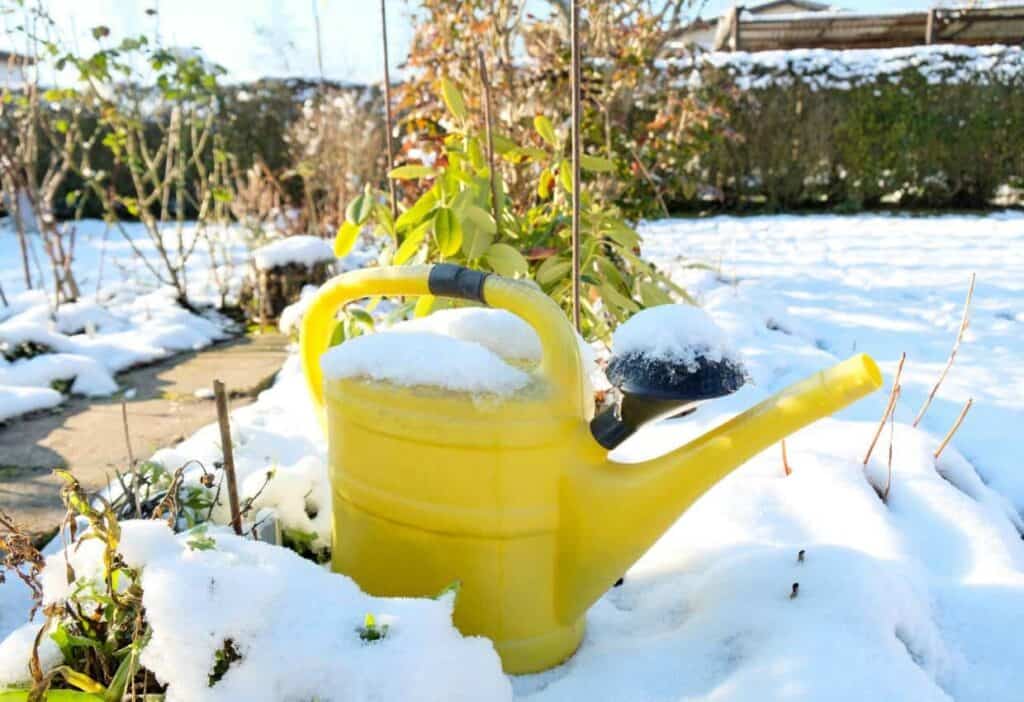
[561, 363]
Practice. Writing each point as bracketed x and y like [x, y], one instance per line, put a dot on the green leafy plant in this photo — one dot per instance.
[463, 216]
[371, 631]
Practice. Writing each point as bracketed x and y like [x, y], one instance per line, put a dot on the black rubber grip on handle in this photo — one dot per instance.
[450, 280]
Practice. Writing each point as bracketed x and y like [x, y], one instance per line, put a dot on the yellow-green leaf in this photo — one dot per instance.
[505, 260]
[544, 184]
[544, 127]
[480, 218]
[360, 209]
[596, 164]
[418, 212]
[447, 231]
[565, 174]
[411, 244]
[424, 305]
[412, 172]
[453, 99]
[345, 238]
[652, 295]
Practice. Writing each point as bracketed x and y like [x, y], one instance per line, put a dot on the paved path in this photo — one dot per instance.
[87, 436]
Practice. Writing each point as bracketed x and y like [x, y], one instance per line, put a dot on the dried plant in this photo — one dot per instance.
[965, 321]
[21, 557]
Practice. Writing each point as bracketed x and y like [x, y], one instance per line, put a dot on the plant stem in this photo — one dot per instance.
[489, 127]
[389, 128]
[576, 118]
[229, 454]
[964, 323]
[956, 425]
[889, 407]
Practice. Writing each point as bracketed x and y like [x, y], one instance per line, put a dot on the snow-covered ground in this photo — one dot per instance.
[917, 598]
[125, 317]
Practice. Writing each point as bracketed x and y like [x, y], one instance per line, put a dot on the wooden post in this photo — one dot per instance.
[387, 110]
[576, 119]
[929, 27]
[489, 119]
[734, 28]
[229, 455]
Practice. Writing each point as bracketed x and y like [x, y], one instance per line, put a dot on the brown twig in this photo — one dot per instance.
[489, 127]
[387, 110]
[229, 456]
[965, 322]
[785, 460]
[889, 407]
[892, 436]
[952, 430]
[3, 298]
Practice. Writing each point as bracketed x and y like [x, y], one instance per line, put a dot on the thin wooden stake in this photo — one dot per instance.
[889, 407]
[387, 109]
[965, 322]
[892, 436]
[3, 298]
[127, 435]
[229, 455]
[489, 127]
[785, 460]
[576, 119]
[956, 425]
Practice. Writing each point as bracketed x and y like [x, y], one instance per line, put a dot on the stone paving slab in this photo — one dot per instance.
[87, 435]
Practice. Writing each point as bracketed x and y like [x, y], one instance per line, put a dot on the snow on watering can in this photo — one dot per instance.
[513, 494]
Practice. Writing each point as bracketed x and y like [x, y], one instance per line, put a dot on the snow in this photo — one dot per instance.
[920, 597]
[500, 331]
[304, 643]
[303, 250]
[947, 64]
[424, 359]
[682, 333]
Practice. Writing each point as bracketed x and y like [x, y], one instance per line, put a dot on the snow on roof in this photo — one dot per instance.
[843, 69]
[304, 250]
[680, 333]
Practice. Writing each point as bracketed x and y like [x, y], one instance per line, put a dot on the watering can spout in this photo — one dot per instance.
[614, 512]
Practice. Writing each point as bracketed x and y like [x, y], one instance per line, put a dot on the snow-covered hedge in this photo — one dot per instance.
[935, 126]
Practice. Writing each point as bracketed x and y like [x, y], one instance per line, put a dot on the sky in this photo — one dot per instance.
[255, 38]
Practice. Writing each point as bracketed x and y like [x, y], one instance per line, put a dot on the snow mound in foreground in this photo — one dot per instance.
[679, 333]
[424, 358]
[294, 624]
[304, 250]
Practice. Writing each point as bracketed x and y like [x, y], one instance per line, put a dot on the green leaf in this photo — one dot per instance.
[596, 164]
[507, 261]
[346, 238]
[544, 127]
[502, 144]
[447, 231]
[553, 270]
[412, 242]
[222, 195]
[652, 295]
[453, 99]
[362, 316]
[412, 172]
[100, 31]
[360, 209]
[480, 218]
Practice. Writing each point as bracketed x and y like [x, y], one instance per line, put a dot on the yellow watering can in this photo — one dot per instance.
[515, 496]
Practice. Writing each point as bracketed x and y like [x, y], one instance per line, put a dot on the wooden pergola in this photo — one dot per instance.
[847, 30]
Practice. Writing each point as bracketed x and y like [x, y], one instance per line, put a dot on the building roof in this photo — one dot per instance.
[8, 56]
[847, 30]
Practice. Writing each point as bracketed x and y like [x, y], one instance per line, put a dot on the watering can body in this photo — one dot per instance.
[510, 495]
